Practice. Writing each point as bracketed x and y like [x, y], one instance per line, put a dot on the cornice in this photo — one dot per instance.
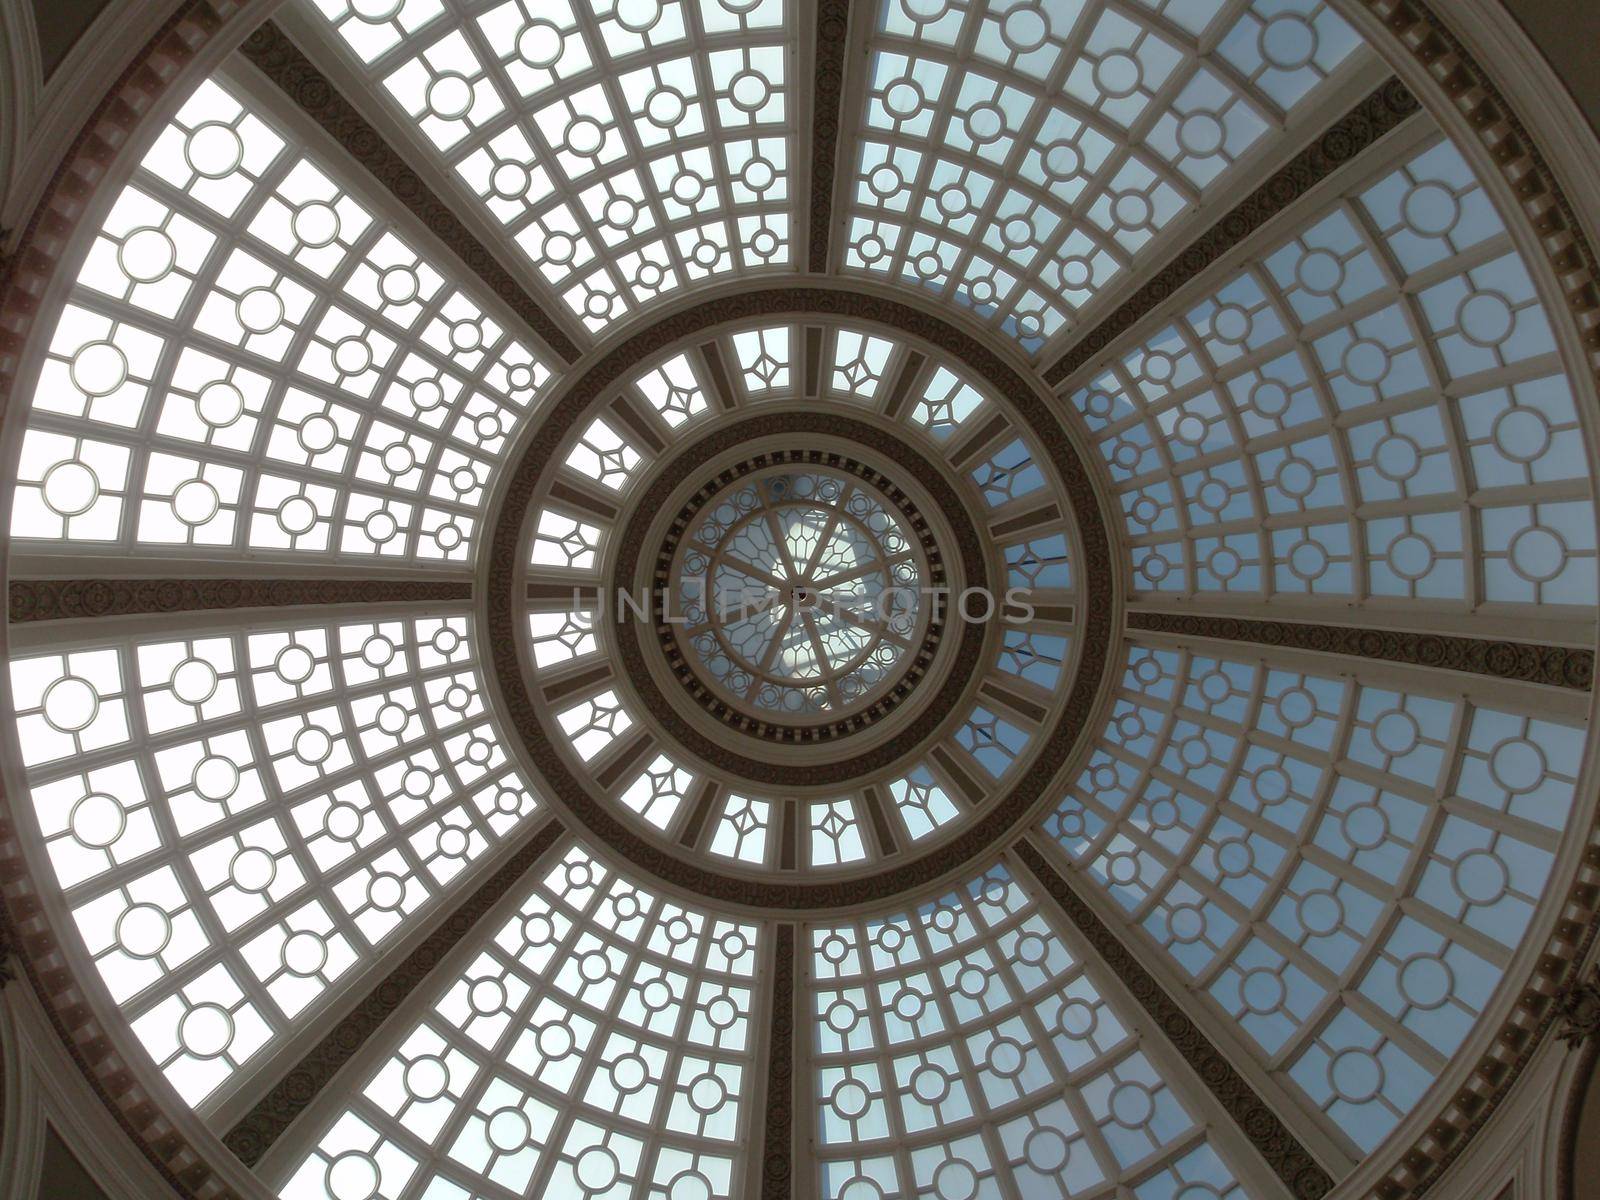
[1584, 1037]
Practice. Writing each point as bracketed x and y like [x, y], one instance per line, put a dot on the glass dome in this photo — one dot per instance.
[693, 599]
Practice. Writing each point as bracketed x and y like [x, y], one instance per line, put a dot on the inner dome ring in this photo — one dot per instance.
[537, 743]
[800, 598]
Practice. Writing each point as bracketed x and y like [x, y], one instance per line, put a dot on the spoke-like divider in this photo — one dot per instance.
[1381, 112]
[285, 65]
[1554, 666]
[833, 29]
[777, 1151]
[254, 1134]
[63, 599]
[1283, 1152]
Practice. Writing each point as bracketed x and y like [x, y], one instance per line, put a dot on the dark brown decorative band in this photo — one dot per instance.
[900, 392]
[699, 812]
[504, 605]
[1556, 666]
[282, 62]
[627, 632]
[788, 835]
[1291, 1161]
[60, 599]
[777, 1152]
[1362, 127]
[911, 670]
[721, 386]
[833, 28]
[872, 801]
[258, 1129]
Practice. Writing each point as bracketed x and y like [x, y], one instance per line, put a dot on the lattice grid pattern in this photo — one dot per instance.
[629, 148]
[238, 820]
[597, 1044]
[1340, 869]
[252, 361]
[963, 1049]
[1017, 158]
[1373, 410]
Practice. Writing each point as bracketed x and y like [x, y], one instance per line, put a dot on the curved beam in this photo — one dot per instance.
[832, 33]
[1553, 666]
[777, 1149]
[1382, 112]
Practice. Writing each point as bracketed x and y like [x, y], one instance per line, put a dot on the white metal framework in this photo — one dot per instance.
[264, 365]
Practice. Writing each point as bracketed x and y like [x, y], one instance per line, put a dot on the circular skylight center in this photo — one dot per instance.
[801, 592]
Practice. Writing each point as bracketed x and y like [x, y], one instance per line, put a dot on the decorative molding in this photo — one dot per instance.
[7, 972]
[833, 30]
[1577, 1008]
[711, 697]
[258, 1129]
[1555, 666]
[1289, 1160]
[283, 63]
[77, 1024]
[63, 599]
[1380, 113]
[777, 1152]
[1416, 29]
[504, 607]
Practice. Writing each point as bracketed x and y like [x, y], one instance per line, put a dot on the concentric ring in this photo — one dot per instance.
[633, 640]
[679, 643]
[539, 743]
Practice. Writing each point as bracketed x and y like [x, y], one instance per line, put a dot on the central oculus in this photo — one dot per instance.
[799, 593]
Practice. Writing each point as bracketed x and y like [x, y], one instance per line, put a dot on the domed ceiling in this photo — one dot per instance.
[715, 598]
